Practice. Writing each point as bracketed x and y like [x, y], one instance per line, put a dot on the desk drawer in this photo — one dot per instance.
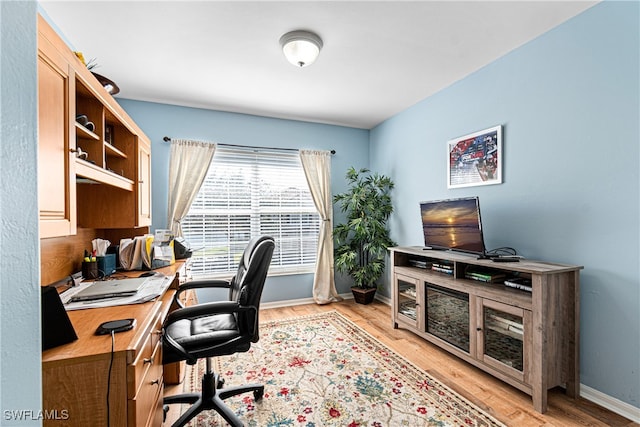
[145, 359]
[146, 405]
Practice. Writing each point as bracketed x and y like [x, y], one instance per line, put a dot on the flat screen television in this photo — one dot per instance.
[453, 224]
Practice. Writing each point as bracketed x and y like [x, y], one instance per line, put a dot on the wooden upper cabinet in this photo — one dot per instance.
[56, 142]
[109, 185]
[144, 183]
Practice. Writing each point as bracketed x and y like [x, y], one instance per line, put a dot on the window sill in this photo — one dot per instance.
[276, 273]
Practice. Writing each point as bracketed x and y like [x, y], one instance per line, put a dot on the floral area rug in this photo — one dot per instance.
[323, 370]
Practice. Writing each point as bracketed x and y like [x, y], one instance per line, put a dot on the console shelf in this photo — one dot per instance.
[460, 303]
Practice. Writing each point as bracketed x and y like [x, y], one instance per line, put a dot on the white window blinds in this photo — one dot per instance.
[248, 192]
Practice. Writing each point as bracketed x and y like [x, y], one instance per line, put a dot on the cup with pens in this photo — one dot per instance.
[90, 266]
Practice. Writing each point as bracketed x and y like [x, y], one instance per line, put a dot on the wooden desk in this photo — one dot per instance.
[75, 376]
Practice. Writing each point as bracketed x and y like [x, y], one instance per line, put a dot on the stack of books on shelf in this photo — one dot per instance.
[502, 325]
[408, 308]
[409, 291]
[521, 283]
[485, 276]
[442, 267]
[419, 263]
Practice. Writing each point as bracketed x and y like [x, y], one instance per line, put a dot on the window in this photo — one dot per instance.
[248, 192]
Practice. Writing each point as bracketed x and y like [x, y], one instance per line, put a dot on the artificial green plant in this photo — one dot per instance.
[361, 242]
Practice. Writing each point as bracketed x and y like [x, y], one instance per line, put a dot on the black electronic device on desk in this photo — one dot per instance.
[181, 248]
[506, 258]
[116, 326]
[56, 326]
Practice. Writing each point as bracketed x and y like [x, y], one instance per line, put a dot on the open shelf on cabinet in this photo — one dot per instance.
[83, 132]
[98, 175]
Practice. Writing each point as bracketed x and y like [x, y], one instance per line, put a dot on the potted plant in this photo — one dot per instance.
[361, 242]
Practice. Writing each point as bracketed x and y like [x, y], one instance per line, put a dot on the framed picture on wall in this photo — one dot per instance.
[475, 159]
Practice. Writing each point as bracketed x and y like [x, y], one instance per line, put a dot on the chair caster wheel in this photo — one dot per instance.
[257, 394]
[220, 383]
[165, 409]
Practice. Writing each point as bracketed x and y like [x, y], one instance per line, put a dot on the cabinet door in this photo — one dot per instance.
[144, 184]
[504, 337]
[447, 316]
[56, 140]
[408, 298]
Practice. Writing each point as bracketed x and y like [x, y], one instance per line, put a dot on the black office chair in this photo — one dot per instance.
[217, 329]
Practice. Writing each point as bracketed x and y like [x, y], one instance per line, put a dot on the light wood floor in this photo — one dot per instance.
[504, 402]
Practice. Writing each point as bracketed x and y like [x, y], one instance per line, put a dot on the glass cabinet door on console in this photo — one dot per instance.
[408, 296]
[502, 330]
[448, 316]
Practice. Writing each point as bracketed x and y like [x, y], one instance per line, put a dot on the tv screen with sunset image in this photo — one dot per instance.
[453, 224]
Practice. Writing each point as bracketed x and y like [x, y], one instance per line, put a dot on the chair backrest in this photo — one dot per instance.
[248, 283]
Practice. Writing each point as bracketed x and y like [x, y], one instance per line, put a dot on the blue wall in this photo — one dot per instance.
[569, 105]
[159, 120]
[20, 360]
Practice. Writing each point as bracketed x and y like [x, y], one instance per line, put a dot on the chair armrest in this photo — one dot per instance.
[214, 283]
[199, 284]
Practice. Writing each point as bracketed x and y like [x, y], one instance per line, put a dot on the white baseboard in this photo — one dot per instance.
[611, 403]
[302, 301]
[383, 299]
[293, 302]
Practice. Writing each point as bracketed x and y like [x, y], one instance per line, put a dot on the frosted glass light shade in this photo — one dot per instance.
[301, 48]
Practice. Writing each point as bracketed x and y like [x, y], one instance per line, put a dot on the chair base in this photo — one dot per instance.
[212, 397]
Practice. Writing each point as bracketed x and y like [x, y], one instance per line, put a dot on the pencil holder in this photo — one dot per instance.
[90, 270]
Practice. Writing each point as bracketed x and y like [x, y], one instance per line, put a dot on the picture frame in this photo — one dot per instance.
[475, 159]
[108, 134]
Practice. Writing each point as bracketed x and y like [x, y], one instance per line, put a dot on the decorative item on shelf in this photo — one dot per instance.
[362, 241]
[108, 134]
[108, 84]
[81, 154]
[84, 121]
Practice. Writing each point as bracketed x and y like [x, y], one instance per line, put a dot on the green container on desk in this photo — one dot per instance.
[106, 264]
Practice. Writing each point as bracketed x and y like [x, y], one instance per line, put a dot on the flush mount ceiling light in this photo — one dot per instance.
[301, 47]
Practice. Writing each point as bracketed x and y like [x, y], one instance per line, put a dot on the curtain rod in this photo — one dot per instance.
[168, 139]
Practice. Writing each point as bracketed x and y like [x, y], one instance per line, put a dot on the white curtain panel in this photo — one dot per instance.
[317, 169]
[188, 166]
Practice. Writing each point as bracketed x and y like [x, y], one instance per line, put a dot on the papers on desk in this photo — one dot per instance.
[136, 253]
[147, 252]
[154, 287]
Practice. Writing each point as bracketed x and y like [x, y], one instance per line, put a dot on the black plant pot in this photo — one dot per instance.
[363, 296]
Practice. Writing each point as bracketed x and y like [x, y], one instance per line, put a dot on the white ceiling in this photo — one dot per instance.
[379, 57]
